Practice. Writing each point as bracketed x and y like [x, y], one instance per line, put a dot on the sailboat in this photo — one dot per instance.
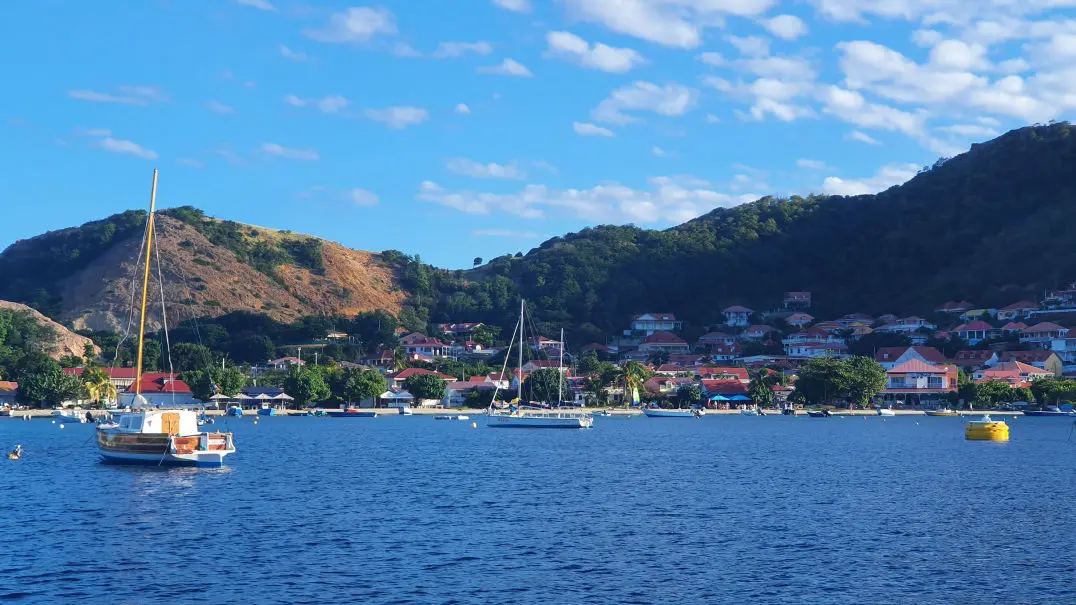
[158, 436]
[534, 419]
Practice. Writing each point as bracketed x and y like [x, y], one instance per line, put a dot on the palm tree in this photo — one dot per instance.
[634, 375]
[99, 385]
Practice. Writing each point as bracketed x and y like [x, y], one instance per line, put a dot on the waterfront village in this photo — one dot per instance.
[959, 355]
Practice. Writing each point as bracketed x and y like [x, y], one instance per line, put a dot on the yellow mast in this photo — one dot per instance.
[145, 285]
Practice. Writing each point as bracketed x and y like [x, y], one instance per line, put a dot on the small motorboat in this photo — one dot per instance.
[5, 411]
[452, 417]
[267, 411]
[353, 413]
[886, 412]
[788, 412]
[676, 413]
[204, 419]
[75, 415]
[750, 412]
[944, 412]
[603, 413]
[819, 413]
[1052, 410]
[235, 411]
[405, 410]
[986, 430]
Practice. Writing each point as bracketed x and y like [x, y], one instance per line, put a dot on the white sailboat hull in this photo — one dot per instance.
[193, 459]
[670, 413]
[886, 412]
[540, 421]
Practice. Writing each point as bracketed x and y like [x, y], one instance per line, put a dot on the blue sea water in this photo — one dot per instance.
[412, 510]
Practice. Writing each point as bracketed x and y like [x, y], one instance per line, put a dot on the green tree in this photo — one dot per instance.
[820, 381]
[425, 386]
[760, 390]
[864, 379]
[688, 395]
[98, 385]
[477, 261]
[543, 384]
[485, 335]
[70, 361]
[47, 383]
[634, 375]
[356, 384]
[188, 356]
[992, 392]
[307, 386]
[589, 364]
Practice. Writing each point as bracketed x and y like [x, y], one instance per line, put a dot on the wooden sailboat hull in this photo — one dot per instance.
[160, 448]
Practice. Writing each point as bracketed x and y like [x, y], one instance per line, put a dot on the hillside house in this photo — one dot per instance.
[726, 352]
[160, 389]
[283, 364]
[9, 391]
[724, 373]
[121, 378]
[398, 378]
[600, 349]
[458, 393]
[1014, 327]
[799, 320]
[974, 332]
[1065, 349]
[1042, 335]
[797, 300]
[814, 350]
[737, 316]
[543, 364]
[648, 323]
[847, 321]
[886, 318]
[891, 357]
[715, 338]
[917, 382]
[954, 307]
[689, 359]
[412, 338]
[336, 336]
[431, 348]
[1064, 298]
[907, 325]
[718, 393]
[758, 333]
[672, 369]
[666, 385]
[828, 326]
[384, 358]
[460, 329]
[662, 341]
[1014, 372]
[969, 361]
[1022, 309]
[1040, 358]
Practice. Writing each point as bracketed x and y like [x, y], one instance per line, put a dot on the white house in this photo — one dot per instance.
[654, 322]
[738, 316]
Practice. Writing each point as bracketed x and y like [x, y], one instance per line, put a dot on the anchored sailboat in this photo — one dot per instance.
[516, 417]
[158, 436]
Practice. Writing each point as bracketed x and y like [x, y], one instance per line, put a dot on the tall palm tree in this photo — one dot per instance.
[634, 375]
[99, 385]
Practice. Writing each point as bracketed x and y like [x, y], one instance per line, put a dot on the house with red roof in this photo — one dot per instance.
[1022, 309]
[412, 338]
[852, 319]
[917, 381]
[737, 316]
[1040, 358]
[9, 391]
[431, 348]
[1014, 327]
[160, 389]
[1014, 372]
[726, 352]
[814, 342]
[759, 332]
[723, 373]
[717, 392]
[974, 332]
[666, 385]
[399, 377]
[121, 378]
[799, 320]
[460, 329]
[891, 357]
[542, 364]
[715, 338]
[649, 323]
[907, 325]
[663, 341]
[672, 369]
[458, 393]
[1042, 334]
[797, 300]
[970, 361]
[954, 307]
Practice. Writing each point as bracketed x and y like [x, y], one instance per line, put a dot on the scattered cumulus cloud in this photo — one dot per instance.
[449, 50]
[264, 5]
[659, 152]
[862, 137]
[786, 27]
[354, 26]
[462, 108]
[398, 118]
[750, 46]
[289, 153]
[479, 170]
[125, 95]
[670, 100]
[331, 104]
[218, 107]
[519, 6]
[675, 23]
[193, 163]
[812, 164]
[292, 55]
[888, 176]
[127, 147]
[590, 130]
[362, 197]
[508, 67]
[570, 47]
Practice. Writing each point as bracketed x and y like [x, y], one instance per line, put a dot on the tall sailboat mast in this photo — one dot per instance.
[560, 370]
[520, 394]
[145, 287]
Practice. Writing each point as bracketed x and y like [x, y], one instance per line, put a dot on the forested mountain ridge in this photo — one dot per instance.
[990, 226]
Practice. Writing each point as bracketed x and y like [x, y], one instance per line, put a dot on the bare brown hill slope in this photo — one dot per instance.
[204, 279]
[63, 341]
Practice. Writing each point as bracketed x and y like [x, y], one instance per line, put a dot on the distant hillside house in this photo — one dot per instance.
[161, 389]
[969, 361]
[797, 300]
[726, 352]
[1022, 309]
[8, 392]
[672, 369]
[799, 320]
[907, 325]
[814, 350]
[655, 322]
[975, 332]
[853, 319]
[737, 316]
[1061, 299]
[715, 338]
[1042, 334]
[689, 359]
[724, 373]
[412, 338]
[954, 307]
[664, 341]
[917, 381]
[1040, 358]
[550, 346]
[334, 335]
[461, 329]
[1013, 327]
[974, 314]
[121, 378]
[285, 363]
[760, 332]
[385, 358]
[666, 385]
[891, 357]
[542, 364]
[429, 347]
[1013, 372]
[399, 378]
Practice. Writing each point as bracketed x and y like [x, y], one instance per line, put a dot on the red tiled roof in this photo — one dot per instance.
[1028, 356]
[543, 363]
[113, 373]
[723, 387]
[973, 355]
[893, 353]
[739, 373]
[686, 358]
[160, 382]
[975, 326]
[1020, 306]
[738, 309]
[1017, 366]
[918, 366]
[662, 337]
[799, 317]
[597, 347]
[1045, 326]
[674, 368]
[478, 379]
[7, 385]
[760, 329]
[428, 342]
[409, 372]
[714, 337]
[1014, 326]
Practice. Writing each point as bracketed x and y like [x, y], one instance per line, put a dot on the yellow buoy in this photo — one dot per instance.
[986, 430]
[255, 422]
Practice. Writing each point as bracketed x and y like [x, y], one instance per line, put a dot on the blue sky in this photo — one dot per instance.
[480, 127]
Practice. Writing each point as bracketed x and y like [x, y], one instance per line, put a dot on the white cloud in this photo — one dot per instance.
[289, 153]
[355, 25]
[362, 197]
[958, 55]
[130, 95]
[812, 164]
[218, 107]
[768, 96]
[926, 38]
[331, 104]
[406, 51]
[712, 119]
[1013, 66]
[750, 46]
[508, 67]
[479, 170]
[398, 117]
[658, 151]
[127, 147]
[448, 50]
[677, 23]
[851, 107]
[293, 55]
[463, 109]
[862, 137]
[259, 4]
[519, 6]
[193, 163]
[970, 130]
[97, 132]
[668, 100]
[887, 176]
[568, 46]
[666, 200]
[786, 27]
[591, 130]
[507, 233]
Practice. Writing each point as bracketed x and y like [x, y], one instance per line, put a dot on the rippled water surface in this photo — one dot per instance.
[413, 510]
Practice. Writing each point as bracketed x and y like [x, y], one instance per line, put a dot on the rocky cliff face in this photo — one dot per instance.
[64, 341]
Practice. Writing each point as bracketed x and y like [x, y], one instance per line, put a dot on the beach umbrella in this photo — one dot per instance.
[719, 398]
[740, 398]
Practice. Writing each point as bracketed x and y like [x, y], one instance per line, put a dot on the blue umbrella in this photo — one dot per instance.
[719, 398]
[740, 398]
